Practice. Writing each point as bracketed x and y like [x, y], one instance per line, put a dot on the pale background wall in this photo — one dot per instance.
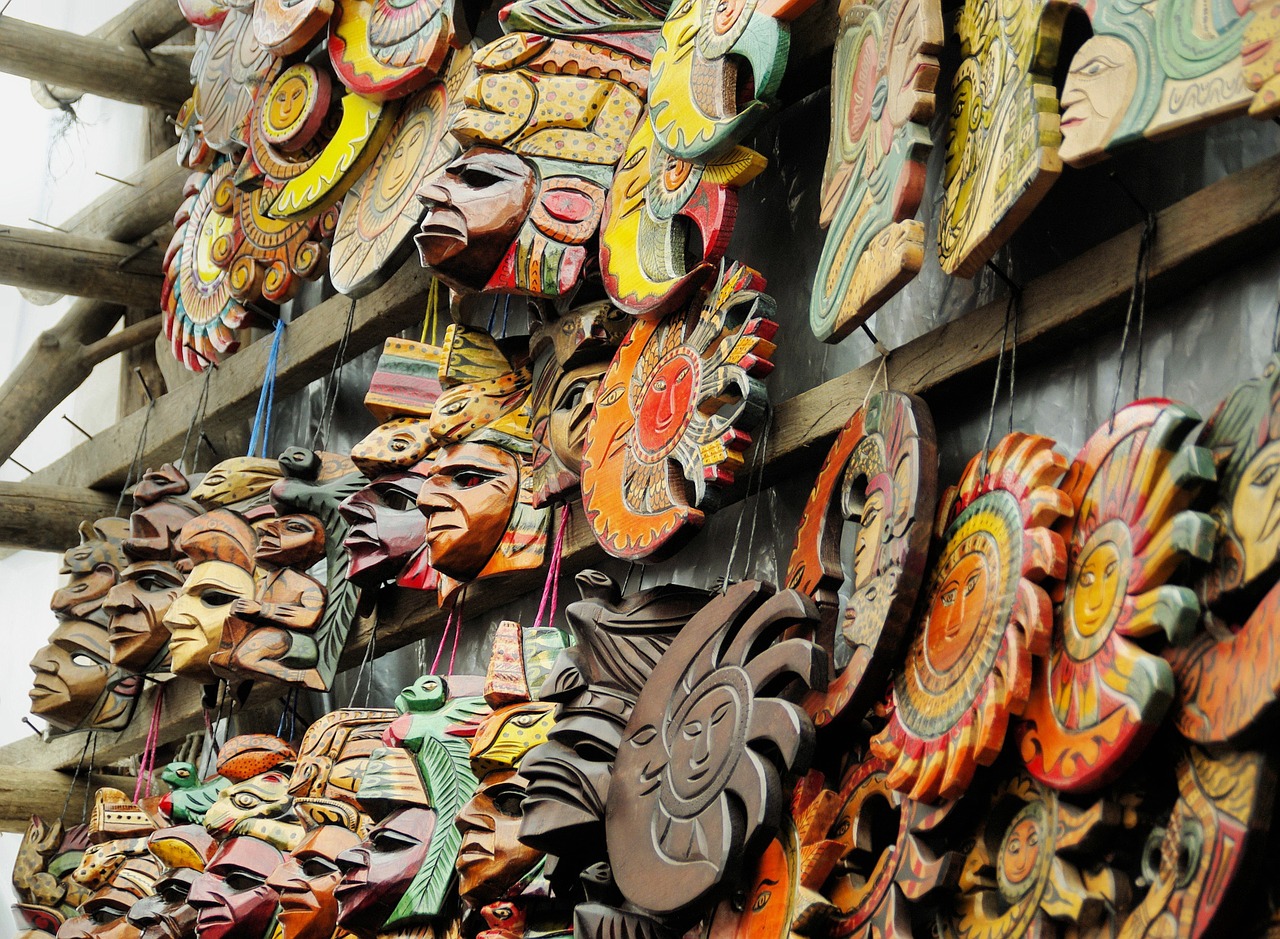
[48, 174]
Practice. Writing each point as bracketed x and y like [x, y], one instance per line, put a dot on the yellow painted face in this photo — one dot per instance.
[1097, 93]
[196, 617]
[407, 151]
[866, 547]
[1097, 588]
[287, 104]
[1255, 510]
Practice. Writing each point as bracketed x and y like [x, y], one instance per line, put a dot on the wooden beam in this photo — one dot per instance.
[83, 267]
[47, 518]
[147, 23]
[1201, 236]
[100, 67]
[307, 353]
[129, 212]
[25, 792]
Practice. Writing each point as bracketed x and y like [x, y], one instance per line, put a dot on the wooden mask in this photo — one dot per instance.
[183, 851]
[42, 875]
[103, 916]
[393, 447]
[138, 604]
[542, 127]
[385, 531]
[334, 753]
[232, 898]
[984, 616]
[570, 353]
[673, 416]
[257, 803]
[240, 483]
[306, 881]
[220, 546]
[594, 684]
[294, 627]
[484, 380]
[377, 872]
[881, 473]
[76, 687]
[228, 69]
[492, 861]
[882, 82]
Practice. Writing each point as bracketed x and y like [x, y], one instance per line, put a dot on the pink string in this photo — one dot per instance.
[462, 599]
[448, 624]
[147, 764]
[551, 589]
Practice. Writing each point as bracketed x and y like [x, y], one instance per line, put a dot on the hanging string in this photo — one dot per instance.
[551, 588]
[1138, 303]
[197, 421]
[147, 764]
[333, 384]
[457, 630]
[882, 368]
[737, 532]
[93, 758]
[506, 315]
[493, 315]
[75, 778]
[135, 465]
[366, 665]
[448, 625]
[267, 397]
[431, 321]
[1010, 313]
[288, 713]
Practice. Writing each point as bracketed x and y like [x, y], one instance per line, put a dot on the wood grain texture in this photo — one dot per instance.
[83, 267]
[25, 792]
[49, 515]
[98, 66]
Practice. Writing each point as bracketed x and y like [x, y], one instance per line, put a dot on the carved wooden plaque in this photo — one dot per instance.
[228, 72]
[673, 416]
[287, 26]
[881, 472]
[1099, 696]
[984, 616]
[386, 49]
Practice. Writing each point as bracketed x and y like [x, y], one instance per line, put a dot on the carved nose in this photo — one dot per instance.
[432, 194]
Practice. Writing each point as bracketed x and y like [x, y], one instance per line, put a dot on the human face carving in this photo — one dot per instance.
[376, 873]
[386, 527]
[83, 593]
[231, 897]
[492, 859]
[306, 881]
[166, 914]
[906, 61]
[137, 607]
[1255, 510]
[955, 610]
[290, 541]
[467, 496]
[866, 547]
[71, 673]
[1095, 97]
[474, 209]
[197, 615]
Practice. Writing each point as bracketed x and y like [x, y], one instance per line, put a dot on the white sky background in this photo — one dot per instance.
[49, 176]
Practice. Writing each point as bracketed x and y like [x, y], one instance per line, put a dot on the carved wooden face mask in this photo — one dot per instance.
[376, 873]
[385, 529]
[72, 673]
[137, 607]
[232, 898]
[493, 859]
[166, 914]
[468, 494]
[306, 881]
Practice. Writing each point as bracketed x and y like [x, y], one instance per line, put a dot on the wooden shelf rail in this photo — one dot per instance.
[1206, 233]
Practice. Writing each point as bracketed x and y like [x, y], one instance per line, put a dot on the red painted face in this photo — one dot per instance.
[386, 527]
[467, 496]
[955, 609]
[376, 873]
[664, 410]
[232, 898]
[306, 881]
[166, 914]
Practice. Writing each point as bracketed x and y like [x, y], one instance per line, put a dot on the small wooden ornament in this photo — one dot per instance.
[382, 211]
[1040, 876]
[228, 71]
[696, 785]
[984, 615]
[1155, 72]
[655, 201]
[1099, 696]
[201, 314]
[694, 94]
[882, 472]
[1002, 134]
[406, 380]
[335, 751]
[385, 49]
[883, 80]
[1199, 861]
[288, 26]
[484, 382]
[633, 25]
[673, 416]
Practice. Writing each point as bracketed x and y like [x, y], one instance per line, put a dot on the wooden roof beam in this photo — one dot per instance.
[150, 21]
[47, 518]
[25, 792]
[100, 67]
[83, 267]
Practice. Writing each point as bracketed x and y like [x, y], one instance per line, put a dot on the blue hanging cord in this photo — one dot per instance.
[266, 398]
[506, 315]
[493, 315]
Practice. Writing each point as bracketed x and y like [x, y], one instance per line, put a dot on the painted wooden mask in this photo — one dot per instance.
[183, 850]
[138, 604]
[220, 546]
[385, 530]
[376, 873]
[542, 126]
[306, 881]
[232, 897]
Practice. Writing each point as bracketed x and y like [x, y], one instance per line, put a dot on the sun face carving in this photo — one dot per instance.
[673, 416]
[984, 615]
[1019, 878]
[696, 786]
[1099, 696]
